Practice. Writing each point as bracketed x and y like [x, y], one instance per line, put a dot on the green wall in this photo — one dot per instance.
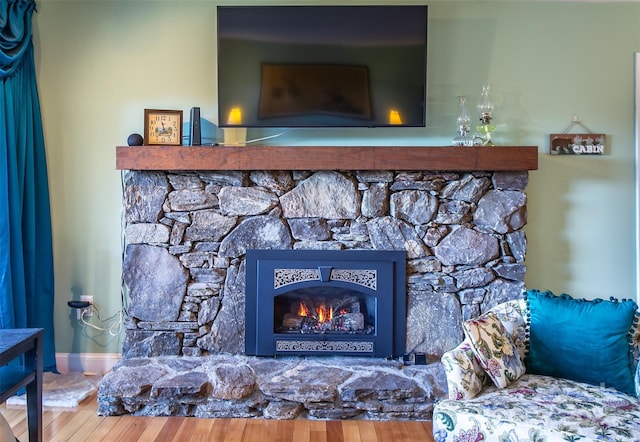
[101, 62]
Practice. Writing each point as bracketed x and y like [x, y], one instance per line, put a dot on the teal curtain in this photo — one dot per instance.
[26, 252]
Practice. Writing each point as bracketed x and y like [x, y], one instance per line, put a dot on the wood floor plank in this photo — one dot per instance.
[318, 431]
[88, 427]
[103, 429]
[259, 430]
[334, 431]
[269, 430]
[17, 419]
[16, 415]
[194, 429]
[285, 431]
[56, 426]
[384, 431]
[135, 428]
[72, 426]
[170, 428]
[350, 431]
[182, 432]
[302, 430]
[407, 431]
[428, 428]
[235, 430]
[151, 433]
[219, 429]
[119, 432]
[367, 431]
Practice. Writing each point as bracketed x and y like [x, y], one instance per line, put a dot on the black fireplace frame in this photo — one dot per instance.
[390, 298]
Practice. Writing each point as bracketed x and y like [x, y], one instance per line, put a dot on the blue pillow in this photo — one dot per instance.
[582, 340]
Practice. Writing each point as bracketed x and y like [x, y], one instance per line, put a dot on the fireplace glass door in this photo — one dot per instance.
[324, 310]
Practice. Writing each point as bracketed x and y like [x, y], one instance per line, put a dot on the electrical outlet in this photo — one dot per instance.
[88, 311]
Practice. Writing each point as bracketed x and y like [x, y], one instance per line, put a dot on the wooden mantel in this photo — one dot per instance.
[445, 158]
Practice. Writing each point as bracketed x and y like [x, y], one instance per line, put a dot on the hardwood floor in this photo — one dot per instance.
[83, 424]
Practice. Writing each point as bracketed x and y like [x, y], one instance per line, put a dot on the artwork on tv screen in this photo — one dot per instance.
[288, 90]
[322, 66]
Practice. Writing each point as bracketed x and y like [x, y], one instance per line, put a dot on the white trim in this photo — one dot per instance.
[637, 118]
[88, 363]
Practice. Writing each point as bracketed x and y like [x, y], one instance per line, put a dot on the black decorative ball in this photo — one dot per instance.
[135, 140]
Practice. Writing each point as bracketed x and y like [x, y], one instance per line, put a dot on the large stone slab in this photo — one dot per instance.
[246, 201]
[380, 387]
[155, 296]
[144, 195]
[232, 381]
[186, 387]
[501, 211]
[227, 332]
[465, 246]
[313, 384]
[436, 320]
[389, 233]
[324, 194]
[259, 232]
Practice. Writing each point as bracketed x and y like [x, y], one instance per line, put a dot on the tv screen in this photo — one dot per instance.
[322, 66]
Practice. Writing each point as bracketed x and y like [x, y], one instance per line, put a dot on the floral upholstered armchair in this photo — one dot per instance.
[544, 368]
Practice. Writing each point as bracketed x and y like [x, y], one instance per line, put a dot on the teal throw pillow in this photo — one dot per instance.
[582, 340]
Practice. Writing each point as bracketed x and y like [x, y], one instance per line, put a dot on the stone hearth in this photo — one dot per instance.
[217, 386]
[186, 237]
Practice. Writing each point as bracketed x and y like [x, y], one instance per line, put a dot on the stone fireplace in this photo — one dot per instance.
[188, 234]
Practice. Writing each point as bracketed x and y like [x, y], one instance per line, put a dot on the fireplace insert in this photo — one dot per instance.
[319, 302]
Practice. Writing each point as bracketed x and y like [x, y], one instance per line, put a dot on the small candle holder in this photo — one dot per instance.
[485, 128]
[463, 138]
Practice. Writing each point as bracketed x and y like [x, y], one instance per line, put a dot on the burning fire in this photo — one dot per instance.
[322, 313]
[303, 310]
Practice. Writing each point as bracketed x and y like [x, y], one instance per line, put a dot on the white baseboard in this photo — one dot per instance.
[89, 363]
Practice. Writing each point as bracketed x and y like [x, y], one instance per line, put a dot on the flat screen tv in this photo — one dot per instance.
[322, 66]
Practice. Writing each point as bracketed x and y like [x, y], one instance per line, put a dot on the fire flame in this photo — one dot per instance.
[322, 313]
[303, 310]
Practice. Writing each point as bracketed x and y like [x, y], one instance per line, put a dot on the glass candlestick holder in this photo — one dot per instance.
[485, 128]
[483, 136]
[463, 137]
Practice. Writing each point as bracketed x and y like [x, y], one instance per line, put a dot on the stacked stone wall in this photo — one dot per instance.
[186, 235]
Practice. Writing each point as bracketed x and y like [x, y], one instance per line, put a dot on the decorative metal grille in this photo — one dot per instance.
[282, 277]
[365, 278]
[325, 346]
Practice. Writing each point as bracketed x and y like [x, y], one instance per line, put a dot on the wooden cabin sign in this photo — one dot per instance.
[576, 144]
